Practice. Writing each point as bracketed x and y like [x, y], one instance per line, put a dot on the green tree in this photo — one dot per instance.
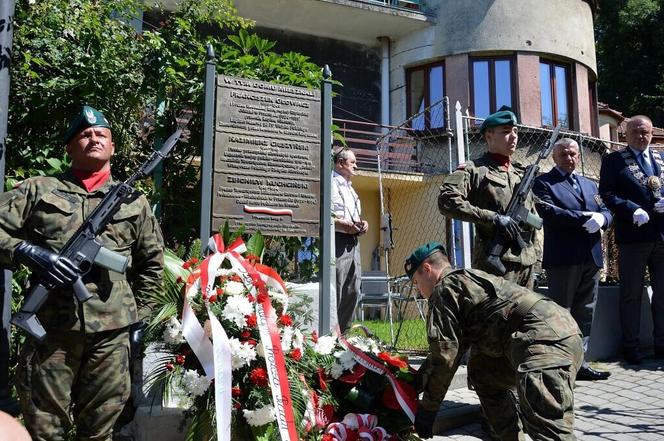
[68, 52]
[630, 52]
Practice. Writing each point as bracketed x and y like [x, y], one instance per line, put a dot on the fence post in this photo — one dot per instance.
[326, 282]
[461, 158]
[209, 88]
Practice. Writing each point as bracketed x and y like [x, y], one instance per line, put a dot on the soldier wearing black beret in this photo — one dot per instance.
[479, 192]
[78, 376]
[521, 342]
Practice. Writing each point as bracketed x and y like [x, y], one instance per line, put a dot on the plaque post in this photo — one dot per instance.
[325, 259]
[209, 88]
[7, 404]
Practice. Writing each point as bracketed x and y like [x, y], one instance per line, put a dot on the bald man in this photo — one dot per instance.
[631, 186]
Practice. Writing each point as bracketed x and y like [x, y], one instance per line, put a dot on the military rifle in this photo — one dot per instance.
[517, 210]
[82, 248]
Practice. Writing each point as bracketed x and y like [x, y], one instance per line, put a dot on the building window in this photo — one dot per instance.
[426, 89]
[491, 85]
[555, 94]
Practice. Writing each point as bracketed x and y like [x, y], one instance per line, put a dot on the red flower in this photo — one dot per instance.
[327, 437]
[237, 405]
[286, 320]
[324, 415]
[314, 336]
[220, 292]
[236, 392]
[252, 259]
[258, 376]
[322, 380]
[193, 260]
[212, 298]
[236, 278]
[251, 342]
[355, 375]
[186, 265]
[245, 334]
[169, 367]
[251, 298]
[179, 279]
[252, 320]
[393, 361]
[179, 359]
[296, 354]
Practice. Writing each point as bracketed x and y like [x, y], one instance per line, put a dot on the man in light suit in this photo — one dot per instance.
[631, 186]
[573, 214]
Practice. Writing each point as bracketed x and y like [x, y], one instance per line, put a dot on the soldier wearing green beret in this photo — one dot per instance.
[79, 375]
[479, 192]
[521, 342]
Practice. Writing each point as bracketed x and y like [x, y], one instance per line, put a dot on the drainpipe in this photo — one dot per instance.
[385, 81]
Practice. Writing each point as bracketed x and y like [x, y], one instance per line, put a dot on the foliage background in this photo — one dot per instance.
[630, 56]
[71, 52]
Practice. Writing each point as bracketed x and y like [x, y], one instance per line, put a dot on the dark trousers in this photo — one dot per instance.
[349, 272]
[574, 287]
[633, 260]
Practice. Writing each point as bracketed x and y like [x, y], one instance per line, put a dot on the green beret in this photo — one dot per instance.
[503, 117]
[419, 255]
[87, 117]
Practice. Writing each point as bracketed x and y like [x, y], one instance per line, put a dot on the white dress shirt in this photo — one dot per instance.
[345, 202]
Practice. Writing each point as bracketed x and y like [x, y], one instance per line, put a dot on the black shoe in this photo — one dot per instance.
[586, 373]
[659, 352]
[633, 357]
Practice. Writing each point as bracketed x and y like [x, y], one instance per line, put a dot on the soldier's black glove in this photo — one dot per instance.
[424, 420]
[507, 226]
[54, 270]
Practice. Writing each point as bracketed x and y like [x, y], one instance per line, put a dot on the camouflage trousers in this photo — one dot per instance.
[74, 379]
[515, 272]
[545, 403]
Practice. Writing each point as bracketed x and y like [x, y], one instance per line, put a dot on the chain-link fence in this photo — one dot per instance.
[412, 161]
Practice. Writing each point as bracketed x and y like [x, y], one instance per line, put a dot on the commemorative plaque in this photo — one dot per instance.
[266, 157]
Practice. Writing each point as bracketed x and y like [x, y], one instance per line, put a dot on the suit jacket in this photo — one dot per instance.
[623, 194]
[566, 242]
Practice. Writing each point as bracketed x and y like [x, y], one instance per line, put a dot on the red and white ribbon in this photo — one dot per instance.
[215, 356]
[365, 424]
[407, 404]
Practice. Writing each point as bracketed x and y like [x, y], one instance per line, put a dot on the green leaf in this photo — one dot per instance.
[256, 244]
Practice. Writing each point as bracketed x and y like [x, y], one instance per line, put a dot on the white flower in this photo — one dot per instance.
[173, 332]
[325, 344]
[345, 359]
[242, 353]
[261, 416]
[195, 384]
[280, 297]
[236, 308]
[364, 344]
[286, 338]
[336, 370]
[260, 350]
[298, 339]
[233, 288]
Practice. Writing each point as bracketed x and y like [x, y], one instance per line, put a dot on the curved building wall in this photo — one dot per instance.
[560, 29]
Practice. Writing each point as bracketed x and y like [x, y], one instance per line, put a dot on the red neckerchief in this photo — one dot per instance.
[501, 160]
[92, 180]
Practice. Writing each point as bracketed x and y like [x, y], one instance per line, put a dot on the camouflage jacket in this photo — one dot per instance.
[471, 308]
[475, 192]
[46, 211]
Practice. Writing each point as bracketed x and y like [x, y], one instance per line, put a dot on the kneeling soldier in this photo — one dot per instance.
[521, 342]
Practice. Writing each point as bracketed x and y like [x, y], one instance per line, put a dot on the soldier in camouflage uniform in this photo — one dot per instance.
[79, 375]
[520, 341]
[479, 192]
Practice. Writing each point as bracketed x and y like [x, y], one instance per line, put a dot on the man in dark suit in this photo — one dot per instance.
[631, 186]
[573, 214]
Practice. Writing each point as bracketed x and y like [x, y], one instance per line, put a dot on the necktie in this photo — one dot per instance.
[645, 164]
[572, 181]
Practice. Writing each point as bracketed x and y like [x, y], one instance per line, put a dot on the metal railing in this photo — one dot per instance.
[416, 5]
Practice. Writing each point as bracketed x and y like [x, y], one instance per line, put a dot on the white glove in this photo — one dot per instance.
[640, 217]
[659, 206]
[595, 222]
